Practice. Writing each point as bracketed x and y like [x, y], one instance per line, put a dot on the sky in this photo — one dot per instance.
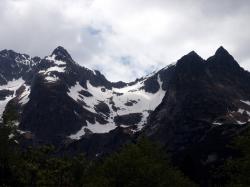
[126, 39]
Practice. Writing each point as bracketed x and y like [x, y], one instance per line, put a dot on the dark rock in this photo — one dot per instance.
[85, 93]
[129, 119]
[5, 93]
[102, 108]
[130, 103]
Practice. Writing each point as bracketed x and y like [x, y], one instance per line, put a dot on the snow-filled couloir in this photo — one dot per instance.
[11, 92]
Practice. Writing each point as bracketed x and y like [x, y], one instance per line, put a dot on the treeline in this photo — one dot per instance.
[142, 164]
[237, 170]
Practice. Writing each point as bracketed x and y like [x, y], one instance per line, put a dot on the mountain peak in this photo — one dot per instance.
[221, 51]
[192, 53]
[223, 59]
[61, 53]
[190, 64]
[191, 57]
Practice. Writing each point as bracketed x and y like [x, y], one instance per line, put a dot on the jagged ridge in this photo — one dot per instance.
[58, 100]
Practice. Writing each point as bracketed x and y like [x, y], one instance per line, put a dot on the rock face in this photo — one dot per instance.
[205, 106]
[186, 106]
[201, 95]
[59, 101]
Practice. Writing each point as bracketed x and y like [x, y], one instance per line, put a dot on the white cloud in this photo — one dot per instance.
[152, 34]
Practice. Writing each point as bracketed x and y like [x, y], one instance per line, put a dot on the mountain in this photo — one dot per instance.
[57, 100]
[193, 107]
[201, 95]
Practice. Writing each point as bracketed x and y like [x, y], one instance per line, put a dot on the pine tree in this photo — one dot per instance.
[238, 169]
[141, 164]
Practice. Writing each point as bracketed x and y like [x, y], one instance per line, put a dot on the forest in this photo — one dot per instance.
[143, 163]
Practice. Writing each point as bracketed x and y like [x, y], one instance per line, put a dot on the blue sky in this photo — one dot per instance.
[126, 39]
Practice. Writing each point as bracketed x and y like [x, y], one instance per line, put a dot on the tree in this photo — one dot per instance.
[238, 169]
[41, 167]
[141, 164]
[8, 157]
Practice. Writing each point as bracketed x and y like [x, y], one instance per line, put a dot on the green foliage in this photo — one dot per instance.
[141, 164]
[4, 141]
[10, 114]
[8, 156]
[238, 170]
[38, 167]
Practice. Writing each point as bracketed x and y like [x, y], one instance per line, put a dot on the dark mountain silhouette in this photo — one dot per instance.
[193, 107]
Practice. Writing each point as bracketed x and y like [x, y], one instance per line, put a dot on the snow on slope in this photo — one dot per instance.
[246, 102]
[55, 68]
[12, 86]
[94, 128]
[127, 100]
[51, 78]
[22, 59]
[53, 60]
[145, 101]
[24, 97]
[239, 117]
[58, 66]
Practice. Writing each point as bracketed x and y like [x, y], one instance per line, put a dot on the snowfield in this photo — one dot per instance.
[246, 102]
[11, 86]
[57, 66]
[94, 128]
[139, 101]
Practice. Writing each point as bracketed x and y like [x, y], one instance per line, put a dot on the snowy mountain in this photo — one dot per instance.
[186, 105]
[55, 98]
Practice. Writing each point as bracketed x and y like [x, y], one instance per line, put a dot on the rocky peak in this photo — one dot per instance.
[190, 59]
[61, 54]
[221, 51]
[13, 58]
[190, 64]
[8, 54]
[223, 60]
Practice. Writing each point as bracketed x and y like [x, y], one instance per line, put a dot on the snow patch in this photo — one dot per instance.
[12, 86]
[240, 122]
[51, 78]
[24, 97]
[217, 123]
[3, 104]
[58, 66]
[100, 128]
[16, 123]
[55, 68]
[11, 136]
[246, 102]
[118, 97]
[241, 111]
[22, 132]
[74, 91]
[94, 128]
[56, 62]
[25, 60]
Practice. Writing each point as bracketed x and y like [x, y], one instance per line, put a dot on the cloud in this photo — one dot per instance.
[126, 39]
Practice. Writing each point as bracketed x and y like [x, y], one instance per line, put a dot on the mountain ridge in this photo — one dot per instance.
[55, 100]
[60, 52]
